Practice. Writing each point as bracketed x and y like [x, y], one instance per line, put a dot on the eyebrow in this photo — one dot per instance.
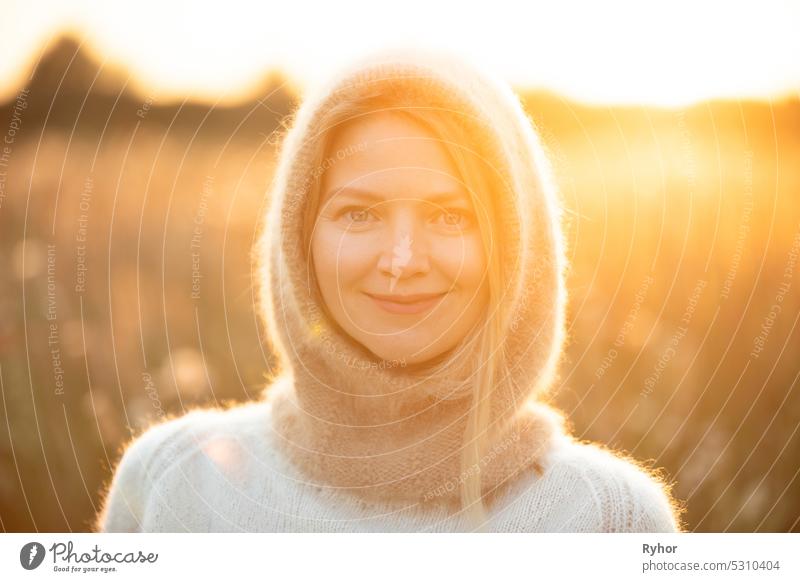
[361, 194]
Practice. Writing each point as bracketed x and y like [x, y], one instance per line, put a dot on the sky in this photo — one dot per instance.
[617, 52]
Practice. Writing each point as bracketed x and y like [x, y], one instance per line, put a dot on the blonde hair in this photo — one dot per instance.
[475, 176]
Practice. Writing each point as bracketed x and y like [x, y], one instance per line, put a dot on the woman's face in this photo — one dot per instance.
[396, 245]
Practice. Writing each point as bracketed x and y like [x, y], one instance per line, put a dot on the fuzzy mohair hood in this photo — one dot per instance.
[352, 421]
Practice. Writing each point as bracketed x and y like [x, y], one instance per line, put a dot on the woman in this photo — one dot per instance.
[412, 286]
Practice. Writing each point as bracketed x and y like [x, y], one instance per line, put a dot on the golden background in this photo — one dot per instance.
[684, 233]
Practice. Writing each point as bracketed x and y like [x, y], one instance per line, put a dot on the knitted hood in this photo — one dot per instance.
[379, 429]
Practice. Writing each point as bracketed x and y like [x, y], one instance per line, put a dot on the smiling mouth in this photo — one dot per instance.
[406, 304]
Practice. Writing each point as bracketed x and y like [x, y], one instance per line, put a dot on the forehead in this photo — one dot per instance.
[389, 154]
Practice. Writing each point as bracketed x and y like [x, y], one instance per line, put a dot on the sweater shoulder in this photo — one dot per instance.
[628, 496]
[163, 445]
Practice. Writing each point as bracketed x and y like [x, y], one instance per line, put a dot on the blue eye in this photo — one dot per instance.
[455, 218]
[355, 214]
[358, 215]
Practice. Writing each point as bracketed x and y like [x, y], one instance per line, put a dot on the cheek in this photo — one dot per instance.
[463, 262]
[340, 258]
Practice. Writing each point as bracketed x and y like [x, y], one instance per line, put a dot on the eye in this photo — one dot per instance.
[356, 214]
[359, 215]
[455, 218]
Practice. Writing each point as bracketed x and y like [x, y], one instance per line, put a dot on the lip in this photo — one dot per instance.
[406, 304]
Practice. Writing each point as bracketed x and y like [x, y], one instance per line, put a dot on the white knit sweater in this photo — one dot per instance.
[220, 471]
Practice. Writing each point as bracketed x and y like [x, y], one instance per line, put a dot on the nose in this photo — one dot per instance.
[404, 251]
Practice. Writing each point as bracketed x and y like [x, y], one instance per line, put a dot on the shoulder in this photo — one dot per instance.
[146, 457]
[617, 493]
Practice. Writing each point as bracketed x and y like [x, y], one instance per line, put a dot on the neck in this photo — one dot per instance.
[350, 410]
[389, 446]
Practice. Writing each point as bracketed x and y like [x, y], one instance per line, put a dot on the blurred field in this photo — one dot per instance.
[684, 229]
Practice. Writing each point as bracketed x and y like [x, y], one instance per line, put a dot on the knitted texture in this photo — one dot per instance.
[222, 471]
[385, 432]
